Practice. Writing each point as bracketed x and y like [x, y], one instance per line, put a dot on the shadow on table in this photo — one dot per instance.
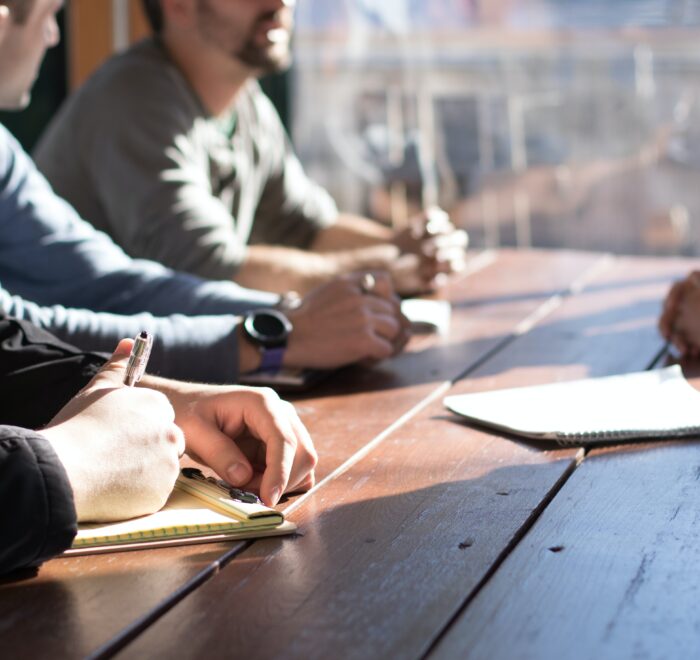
[623, 446]
[384, 563]
[619, 334]
[407, 550]
[477, 302]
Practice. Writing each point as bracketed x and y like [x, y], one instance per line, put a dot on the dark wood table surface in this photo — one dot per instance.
[426, 537]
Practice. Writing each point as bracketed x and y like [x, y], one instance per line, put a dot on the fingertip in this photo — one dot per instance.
[272, 497]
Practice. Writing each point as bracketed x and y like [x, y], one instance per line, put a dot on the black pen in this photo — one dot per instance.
[138, 359]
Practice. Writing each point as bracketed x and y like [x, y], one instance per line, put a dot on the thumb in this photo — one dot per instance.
[113, 371]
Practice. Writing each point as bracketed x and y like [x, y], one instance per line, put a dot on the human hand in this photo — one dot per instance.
[431, 248]
[341, 323]
[669, 312]
[118, 445]
[249, 436]
[680, 318]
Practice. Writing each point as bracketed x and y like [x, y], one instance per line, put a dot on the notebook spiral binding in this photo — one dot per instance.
[570, 439]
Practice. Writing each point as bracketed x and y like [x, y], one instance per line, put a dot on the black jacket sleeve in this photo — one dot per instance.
[37, 514]
[39, 373]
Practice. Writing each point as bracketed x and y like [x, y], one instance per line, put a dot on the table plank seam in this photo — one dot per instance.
[509, 548]
[544, 310]
[531, 320]
[128, 634]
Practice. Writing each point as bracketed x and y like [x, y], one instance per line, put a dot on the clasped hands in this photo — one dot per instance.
[431, 248]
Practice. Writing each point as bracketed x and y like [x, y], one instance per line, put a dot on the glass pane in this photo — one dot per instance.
[549, 123]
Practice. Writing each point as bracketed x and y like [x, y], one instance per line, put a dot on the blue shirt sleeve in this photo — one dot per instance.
[60, 273]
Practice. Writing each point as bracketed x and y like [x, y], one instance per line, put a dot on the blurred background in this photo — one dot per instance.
[546, 123]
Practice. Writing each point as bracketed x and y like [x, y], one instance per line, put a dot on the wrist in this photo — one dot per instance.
[267, 331]
[61, 438]
[249, 357]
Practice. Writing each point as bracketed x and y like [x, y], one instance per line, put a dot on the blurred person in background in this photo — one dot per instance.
[173, 149]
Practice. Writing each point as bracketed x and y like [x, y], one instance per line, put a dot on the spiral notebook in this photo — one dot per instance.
[648, 404]
[199, 510]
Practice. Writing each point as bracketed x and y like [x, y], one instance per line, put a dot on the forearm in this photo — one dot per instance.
[125, 286]
[351, 231]
[286, 269]
[281, 269]
[203, 348]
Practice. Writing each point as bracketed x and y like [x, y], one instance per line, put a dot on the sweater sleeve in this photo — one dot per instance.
[198, 348]
[64, 276]
[49, 255]
[37, 513]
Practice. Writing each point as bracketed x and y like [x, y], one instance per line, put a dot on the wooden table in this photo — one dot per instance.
[425, 537]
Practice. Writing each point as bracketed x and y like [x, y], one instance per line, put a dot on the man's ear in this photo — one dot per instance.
[4, 21]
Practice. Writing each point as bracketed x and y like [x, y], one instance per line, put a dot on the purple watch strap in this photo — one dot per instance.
[272, 359]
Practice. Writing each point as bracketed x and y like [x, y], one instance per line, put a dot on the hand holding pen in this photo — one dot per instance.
[109, 436]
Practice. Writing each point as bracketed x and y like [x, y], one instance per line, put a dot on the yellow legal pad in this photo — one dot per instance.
[196, 512]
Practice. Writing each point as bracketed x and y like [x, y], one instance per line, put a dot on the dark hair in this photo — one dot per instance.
[19, 9]
[154, 14]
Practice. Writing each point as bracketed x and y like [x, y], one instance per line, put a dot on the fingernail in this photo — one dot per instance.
[276, 494]
[237, 474]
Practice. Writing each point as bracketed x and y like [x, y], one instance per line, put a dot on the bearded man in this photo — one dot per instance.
[173, 149]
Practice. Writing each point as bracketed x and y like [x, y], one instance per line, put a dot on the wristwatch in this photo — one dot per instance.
[268, 329]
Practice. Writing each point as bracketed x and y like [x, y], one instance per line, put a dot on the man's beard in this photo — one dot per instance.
[271, 58]
[265, 60]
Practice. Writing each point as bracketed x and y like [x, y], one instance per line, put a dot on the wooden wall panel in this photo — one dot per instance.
[137, 21]
[90, 33]
[89, 25]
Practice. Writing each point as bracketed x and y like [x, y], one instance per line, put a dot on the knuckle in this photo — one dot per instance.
[268, 395]
[367, 342]
[381, 350]
[289, 444]
[172, 434]
[365, 316]
[312, 458]
[289, 409]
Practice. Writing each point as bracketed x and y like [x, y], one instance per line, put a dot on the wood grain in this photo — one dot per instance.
[487, 308]
[609, 571]
[395, 545]
[138, 24]
[77, 605]
[90, 38]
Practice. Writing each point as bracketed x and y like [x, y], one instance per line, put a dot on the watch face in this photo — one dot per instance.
[267, 327]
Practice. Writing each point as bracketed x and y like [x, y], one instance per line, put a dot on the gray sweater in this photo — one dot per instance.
[136, 153]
